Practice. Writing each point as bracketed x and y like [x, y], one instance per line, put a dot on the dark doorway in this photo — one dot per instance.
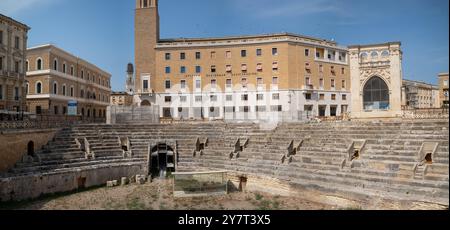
[31, 148]
[81, 182]
[429, 158]
[322, 110]
[162, 160]
[242, 183]
[333, 111]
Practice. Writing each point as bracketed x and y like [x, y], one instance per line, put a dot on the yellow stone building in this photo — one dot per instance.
[283, 75]
[13, 43]
[55, 77]
[443, 89]
[121, 99]
[420, 95]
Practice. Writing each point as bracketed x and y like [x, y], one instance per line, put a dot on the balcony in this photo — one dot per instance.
[308, 87]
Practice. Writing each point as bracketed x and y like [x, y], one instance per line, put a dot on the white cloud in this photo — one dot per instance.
[12, 7]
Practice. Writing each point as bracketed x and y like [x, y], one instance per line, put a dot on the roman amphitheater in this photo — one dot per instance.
[345, 164]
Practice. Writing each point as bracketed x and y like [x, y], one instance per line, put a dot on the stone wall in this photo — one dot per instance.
[14, 144]
[127, 114]
[33, 186]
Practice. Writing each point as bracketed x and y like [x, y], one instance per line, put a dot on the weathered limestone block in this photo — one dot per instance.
[109, 184]
[124, 181]
[115, 182]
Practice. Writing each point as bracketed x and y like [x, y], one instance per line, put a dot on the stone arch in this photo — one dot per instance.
[376, 94]
[146, 103]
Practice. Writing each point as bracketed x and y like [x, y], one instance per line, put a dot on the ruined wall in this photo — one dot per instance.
[33, 186]
[14, 144]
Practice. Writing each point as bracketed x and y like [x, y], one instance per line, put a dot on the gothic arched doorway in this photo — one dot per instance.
[162, 160]
[376, 94]
[30, 148]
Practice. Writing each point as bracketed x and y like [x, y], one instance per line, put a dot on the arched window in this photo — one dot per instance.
[64, 90]
[39, 64]
[82, 93]
[364, 56]
[71, 91]
[82, 112]
[27, 66]
[27, 88]
[64, 67]
[376, 95]
[374, 55]
[55, 88]
[38, 88]
[55, 65]
[385, 54]
[72, 70]
[82, 74]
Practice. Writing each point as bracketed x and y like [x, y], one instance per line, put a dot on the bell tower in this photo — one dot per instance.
[146, 29]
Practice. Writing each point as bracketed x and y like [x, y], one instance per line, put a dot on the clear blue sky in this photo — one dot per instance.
[101, 31]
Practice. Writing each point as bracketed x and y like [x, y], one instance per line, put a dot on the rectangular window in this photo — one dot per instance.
[276, 96]
[55, 109]
[198, 55]
[182, 56]
[198, 69]
[344, 97]
[445, 83]
[198, 84]
[1, 63]
[259, 67]
[198, 98]
[16, 67]
[276, 108]
[258, 52]
[259, 81]
[343, 84]
[213, 98]
[275, 66]
[167, 69]
[275, 81]
[333, 97]
[306, 52]
[168, 99]
[308, 81]
[167, 84]
[333, 72]
[1, 37]
[213, 54]
[259, 97]
[261, 108]
[1, 92]
[183, 98]
[145, 84]
[183, 69]
[229, 98]
[213, 69]
[230, 109]
[38, 109]
[321, 83]
[213, 83]
[333, 85]
[228, 68]
[228, 54]
[16, 42]
[320, 68]
[321, 96]
[274, 51]
[183, 84]
[243, 53]
[244, 67]
[342, 70]
[244, 82]
[167, 56]
[244, 109]
[244, 97]
[308, 96]
[228, 83]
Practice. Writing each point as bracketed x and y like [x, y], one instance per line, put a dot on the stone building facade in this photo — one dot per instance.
[13, 43]
[419, 95]
[245, 77]
[443, 90]
[121, 99]
[376, 73]
[56, 77]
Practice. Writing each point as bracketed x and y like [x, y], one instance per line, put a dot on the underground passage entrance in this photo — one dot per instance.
[162, 160]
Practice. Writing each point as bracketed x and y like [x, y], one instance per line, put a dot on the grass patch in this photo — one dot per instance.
[258, 196]
[135, 204]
